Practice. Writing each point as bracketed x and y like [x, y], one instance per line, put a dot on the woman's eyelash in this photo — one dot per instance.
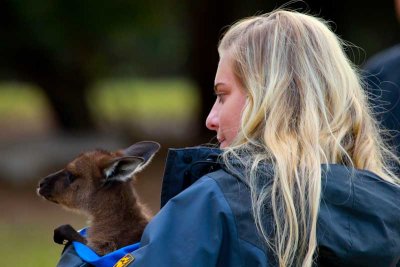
[220, 97]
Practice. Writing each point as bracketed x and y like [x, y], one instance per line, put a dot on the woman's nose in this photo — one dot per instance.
[212, 121]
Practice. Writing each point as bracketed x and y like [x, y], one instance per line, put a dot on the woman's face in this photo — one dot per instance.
[225, 115]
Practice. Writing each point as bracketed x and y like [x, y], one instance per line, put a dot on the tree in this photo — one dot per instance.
[64, 46]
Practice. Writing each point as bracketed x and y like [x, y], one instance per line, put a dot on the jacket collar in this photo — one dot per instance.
[185, 166]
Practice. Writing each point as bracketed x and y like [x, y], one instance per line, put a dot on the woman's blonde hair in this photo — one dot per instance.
[305, 107]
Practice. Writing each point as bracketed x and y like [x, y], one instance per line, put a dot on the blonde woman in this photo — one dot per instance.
[302, 177]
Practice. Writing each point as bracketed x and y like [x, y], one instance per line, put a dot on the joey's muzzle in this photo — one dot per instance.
[46, 185]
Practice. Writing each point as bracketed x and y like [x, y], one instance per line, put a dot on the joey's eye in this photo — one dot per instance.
[71, 178]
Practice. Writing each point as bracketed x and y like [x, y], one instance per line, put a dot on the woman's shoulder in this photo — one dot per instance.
[220, 196]
[202, 219]
[359, 215]
[361, 192]
[237, 194]
[343, 180]
[218, 188]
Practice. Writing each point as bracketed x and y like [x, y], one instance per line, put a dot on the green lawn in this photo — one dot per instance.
[110, 100]
[144, 99]
[28, 245]
[20, 100]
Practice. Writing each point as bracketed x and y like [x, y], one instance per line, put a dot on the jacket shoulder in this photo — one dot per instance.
[199, 220]
[237, 195]
[359, 215]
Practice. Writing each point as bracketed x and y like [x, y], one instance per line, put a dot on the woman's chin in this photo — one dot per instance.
[223, 144]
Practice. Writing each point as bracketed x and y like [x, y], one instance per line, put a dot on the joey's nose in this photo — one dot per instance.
[46, 185]
[43, 182]
[50, 178]
[42, 189]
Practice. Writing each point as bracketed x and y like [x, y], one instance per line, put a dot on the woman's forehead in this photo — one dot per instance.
[225, 74]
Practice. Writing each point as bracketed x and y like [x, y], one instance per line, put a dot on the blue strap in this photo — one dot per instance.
[89, 256]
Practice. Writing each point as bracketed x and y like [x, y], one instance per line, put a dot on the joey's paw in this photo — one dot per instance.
[66, 233]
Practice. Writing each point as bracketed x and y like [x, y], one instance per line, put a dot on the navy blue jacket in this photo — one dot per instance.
[206, 219]
[383, 78]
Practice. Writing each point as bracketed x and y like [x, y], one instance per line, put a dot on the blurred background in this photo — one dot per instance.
[78, 75]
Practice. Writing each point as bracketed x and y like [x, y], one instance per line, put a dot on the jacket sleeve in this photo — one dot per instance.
[193, 229]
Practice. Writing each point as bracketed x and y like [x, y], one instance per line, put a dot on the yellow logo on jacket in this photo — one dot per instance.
[124, 261]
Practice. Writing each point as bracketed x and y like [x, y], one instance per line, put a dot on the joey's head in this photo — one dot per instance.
[85, 179]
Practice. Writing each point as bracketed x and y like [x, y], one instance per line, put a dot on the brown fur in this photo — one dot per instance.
[116, 216]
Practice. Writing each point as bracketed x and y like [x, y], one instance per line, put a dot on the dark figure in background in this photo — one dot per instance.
[383, 77]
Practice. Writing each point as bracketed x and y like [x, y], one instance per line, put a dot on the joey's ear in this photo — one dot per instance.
[145, 150]
[121, 169]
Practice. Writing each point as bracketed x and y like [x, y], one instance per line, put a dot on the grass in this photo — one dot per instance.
[144, 99]
[109, 100]
[26, 227]
[21, 100]
[28, 245]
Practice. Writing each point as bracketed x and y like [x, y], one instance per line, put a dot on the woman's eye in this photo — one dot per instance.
[220, 97]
